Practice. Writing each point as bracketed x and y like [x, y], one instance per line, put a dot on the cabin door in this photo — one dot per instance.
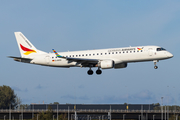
[150, 50]
[47, 58]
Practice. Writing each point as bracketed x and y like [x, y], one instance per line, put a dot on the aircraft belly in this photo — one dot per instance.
[62, 63]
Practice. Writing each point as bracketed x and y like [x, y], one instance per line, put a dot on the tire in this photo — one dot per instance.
[98, 72]
[155, 67]
[89, 72]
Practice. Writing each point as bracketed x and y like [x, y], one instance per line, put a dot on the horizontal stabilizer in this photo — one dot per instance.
[20, 59]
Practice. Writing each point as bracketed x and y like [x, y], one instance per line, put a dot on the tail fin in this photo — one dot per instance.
[25, 46]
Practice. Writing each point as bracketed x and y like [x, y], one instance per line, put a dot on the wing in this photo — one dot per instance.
[83, 61]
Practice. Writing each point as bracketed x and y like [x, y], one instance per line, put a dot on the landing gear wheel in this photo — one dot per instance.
[90, 72]
[155, 67]
[98, 72]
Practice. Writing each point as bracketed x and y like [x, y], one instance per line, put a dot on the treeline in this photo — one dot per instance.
[48, 115]
[9, 100]
[174, 107]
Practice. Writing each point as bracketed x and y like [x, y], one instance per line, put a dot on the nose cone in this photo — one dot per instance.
[169, 55]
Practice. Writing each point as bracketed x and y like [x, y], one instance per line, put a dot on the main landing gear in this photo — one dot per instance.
[90, 72]
[155, 62]
[98, 71]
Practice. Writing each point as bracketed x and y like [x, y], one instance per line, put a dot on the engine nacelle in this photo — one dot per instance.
[106, 64]
[120, 65]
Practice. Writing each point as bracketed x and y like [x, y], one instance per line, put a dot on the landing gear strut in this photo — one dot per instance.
[155, 62]
[98, 71]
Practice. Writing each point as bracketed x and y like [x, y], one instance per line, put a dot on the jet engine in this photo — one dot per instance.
[106, 64]
[120, 65]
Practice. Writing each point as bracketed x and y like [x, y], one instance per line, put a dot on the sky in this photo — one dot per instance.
[92, 24]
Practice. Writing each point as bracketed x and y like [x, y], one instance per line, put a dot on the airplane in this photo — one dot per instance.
[101, 58]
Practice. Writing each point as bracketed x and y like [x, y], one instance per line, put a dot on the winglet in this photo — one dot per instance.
[58, 54]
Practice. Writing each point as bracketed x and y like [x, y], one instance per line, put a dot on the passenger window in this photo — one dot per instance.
[116, 52]
[112, 52]
[76, 55]
[105, 53]
[97, 54]
[86, 54]
[141, 51]
[83, 55]
[93, 54]
[127, 52]
[101, 53]
[52, 57]
[123, 52]
[138, 51]
[119, 52]
[79, 55]
[89, 54]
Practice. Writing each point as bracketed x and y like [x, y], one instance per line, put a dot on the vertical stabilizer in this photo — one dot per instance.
[25, 46]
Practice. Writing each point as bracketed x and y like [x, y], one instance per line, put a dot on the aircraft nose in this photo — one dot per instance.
[169, 55]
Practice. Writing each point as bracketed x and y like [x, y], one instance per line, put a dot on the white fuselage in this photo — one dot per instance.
[118, 55]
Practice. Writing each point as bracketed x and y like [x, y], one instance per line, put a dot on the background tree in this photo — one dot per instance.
[7, 97]
[24, 106]
[56, 103]
[62, 117]
[49, 113]
[45, 116]
[18, 101]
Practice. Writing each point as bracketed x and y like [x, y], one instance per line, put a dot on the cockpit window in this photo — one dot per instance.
[163, 49]
[160, 49]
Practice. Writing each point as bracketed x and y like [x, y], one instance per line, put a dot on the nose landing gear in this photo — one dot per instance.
[155, 62]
